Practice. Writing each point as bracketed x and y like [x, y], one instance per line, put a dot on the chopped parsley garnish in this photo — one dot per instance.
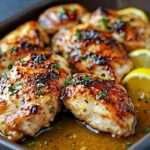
[67, 82]
[62, 10]
[10, 66]
[14, 49]
[102, 94]
[85, 80]
[15, 88]
[78, 34]
[62, 14]
[96, 59]
[87, 34]
[56, 66]
[104, 23]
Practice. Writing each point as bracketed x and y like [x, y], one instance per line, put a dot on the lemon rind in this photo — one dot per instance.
[134, 10]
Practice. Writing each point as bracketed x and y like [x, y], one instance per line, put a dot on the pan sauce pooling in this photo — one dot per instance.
[88, 48]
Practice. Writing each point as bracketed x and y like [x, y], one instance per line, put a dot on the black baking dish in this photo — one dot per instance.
[32, 10]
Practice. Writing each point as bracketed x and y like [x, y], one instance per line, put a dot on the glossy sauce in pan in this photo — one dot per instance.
[68, 134]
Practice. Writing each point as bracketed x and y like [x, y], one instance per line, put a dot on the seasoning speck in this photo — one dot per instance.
[101, 95]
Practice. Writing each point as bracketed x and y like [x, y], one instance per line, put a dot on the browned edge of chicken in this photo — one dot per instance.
[62, 16]
[101, 104]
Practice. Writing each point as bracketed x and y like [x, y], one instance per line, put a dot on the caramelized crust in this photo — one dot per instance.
[63, 16]
[93, 51]
[129, 29]
[29, 94]
[26, 38]
[103, 105]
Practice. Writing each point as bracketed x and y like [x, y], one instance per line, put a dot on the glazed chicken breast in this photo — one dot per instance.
[29, 94]
[26, 38]
[131, 30]
[93, 51]
[100, 104]
[63, 16]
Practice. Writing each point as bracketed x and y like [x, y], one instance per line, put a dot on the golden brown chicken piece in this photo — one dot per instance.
[63, 16]
[26, 38]
[93, 51]
[129, 29]
[100, 104]
[29, 94]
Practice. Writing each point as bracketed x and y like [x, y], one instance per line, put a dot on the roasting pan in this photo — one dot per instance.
[16, 12]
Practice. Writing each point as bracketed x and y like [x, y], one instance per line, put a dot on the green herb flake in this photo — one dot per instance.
[62, 10]
[78, 34]
[83, 57]
[104, 23]
[10, 66]
[101, 95]
[13, 49]
[67, 82]
[15, 88]
[62, 13]
[85, 78]
[56, 66]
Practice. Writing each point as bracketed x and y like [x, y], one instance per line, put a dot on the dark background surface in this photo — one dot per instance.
[15, 10]
[10, 8]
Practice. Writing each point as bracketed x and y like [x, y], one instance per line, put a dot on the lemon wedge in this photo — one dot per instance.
[138, 81]
[134, 11]
[140, 58]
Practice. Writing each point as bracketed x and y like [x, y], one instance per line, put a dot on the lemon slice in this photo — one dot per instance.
[138, 82]
[134, 11]
[140, 58]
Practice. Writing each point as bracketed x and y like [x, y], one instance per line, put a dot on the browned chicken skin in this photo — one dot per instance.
[29, 94]
[63, 16]
[129, 29]
[25, 39]
[30, 89]
[93, 51]
[100, 104]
